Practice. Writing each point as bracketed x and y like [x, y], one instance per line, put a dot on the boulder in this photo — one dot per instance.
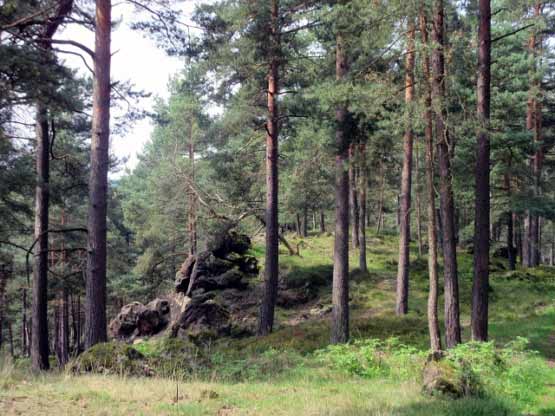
[136, 319]
[202, 320]
[125, 323]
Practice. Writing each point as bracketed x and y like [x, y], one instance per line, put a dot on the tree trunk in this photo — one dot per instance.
[95, 318]
[447, 205]
[192, 214]
[10, 335]
[433, 320]
[362, 185]
[322, 222]
[340, 289]
[305, 222]
[480, 285]
[534, 124]
[272, 227]
[79, 324]
[379, 220]
[353, 197]
[39, 309]
[552, 251]
[418, 202]
[511, 252]
[62, 341]
[526, 252]
[517, 222]
[4, 276]
[24, 325]
[314, 221]
[402, 304]
[74, 338]
[298, 226]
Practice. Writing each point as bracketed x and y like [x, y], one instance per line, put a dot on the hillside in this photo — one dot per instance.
[293, 371]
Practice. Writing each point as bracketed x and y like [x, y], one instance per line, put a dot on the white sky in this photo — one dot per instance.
[135, 58]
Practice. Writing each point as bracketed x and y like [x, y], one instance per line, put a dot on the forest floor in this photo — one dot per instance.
[294, 371]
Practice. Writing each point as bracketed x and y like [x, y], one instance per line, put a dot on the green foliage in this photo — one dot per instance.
[373, 358]
[277, 363]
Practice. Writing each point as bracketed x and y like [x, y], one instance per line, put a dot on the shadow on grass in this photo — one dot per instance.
[539, 330]
[439, 407]
[309, 336]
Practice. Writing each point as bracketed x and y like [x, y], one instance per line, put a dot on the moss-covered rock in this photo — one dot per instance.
[174, 357]
[112, 358]
[443, 377]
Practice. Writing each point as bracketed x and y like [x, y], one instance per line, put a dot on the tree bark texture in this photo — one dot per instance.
[402, 302]
[447, 205]
[340, 286]
[95, 311]
[433, 294]
[271, 271]
[480, 285]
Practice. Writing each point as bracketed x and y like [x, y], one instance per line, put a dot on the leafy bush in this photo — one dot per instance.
[373, 358]
[512, 372]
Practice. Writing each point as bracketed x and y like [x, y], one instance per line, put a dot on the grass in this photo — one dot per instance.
[294, 372]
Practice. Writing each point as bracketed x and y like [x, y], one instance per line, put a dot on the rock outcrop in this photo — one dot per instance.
[207, 279]
[136, 319]
[209, 286]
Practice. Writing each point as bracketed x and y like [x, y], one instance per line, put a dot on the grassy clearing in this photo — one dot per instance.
[294, 372]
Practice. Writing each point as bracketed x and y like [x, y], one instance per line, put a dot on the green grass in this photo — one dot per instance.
[294, 372]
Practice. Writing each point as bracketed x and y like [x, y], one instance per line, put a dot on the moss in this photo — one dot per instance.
[111, 358]
[174, 357]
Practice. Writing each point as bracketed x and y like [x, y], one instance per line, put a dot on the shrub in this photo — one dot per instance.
[373, 358]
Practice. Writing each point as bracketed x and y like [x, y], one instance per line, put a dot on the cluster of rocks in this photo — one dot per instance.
[208, 286]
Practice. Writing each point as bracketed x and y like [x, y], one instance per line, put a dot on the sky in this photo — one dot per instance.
[135, 58]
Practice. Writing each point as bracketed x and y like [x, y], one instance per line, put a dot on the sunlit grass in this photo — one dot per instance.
[281, 375]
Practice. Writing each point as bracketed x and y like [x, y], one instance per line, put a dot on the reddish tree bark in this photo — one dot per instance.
[95, 312]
